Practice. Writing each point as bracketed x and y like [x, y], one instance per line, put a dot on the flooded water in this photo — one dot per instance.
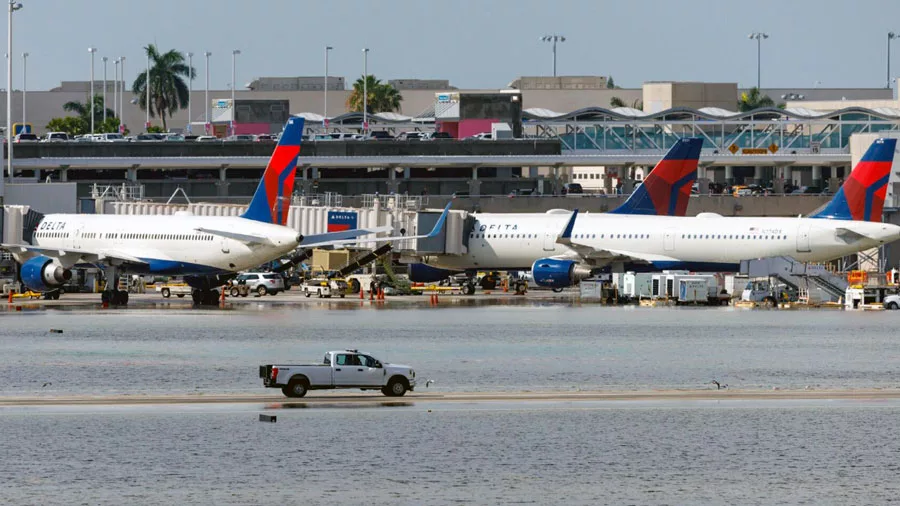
[664, 452]
[535, 346]
[614, 453]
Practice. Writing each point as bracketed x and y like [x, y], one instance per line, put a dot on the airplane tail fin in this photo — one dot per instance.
[861, 197]
[272, 199]
[666, 190]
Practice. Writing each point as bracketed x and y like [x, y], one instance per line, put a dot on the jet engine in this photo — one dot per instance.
[424, 273]
[554, 273]
[43, 274]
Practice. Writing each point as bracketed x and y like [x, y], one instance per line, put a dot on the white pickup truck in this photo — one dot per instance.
[340, 369]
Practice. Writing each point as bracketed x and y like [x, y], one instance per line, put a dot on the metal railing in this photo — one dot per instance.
[124, 192]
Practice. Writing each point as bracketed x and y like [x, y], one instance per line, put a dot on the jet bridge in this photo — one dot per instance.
[453, 238]
[801, 276]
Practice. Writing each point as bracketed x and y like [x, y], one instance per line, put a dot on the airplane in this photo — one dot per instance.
[560, 250]
[664, 192]
[206, 250]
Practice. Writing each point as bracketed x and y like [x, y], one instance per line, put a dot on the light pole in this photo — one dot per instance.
[234, 53]
[554, 39]
[116, 89]
[325, 113]
[190, 88]
[891, 36]
[13, 6]
[147, 120]
[24, 85]
[365, 90]
[92, 50]
[759, 36]
[122, 99]
[206, 54]
[104, 60]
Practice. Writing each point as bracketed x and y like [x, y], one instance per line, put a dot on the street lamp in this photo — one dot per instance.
[104, 60]
[325, 113]
[759, 36]
[24, 85]
[190, 88]
[891, 36]
[234, 53]
[122, 99]
[92, 50]
[13, 6]
[365, 90]
[206, 54]
[147, 85]
[554, 39]
[116, 89]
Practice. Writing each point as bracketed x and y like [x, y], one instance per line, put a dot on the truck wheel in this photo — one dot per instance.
[469, 289]
[769, 302]
[354, 285]
[235, 292]
[261, 290]
[166, 293]
[306, 292]
[320, 293]
[296, 388]
[893, 305]
[395, 388]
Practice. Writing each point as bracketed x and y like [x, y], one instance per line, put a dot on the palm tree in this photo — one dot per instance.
[168, 90]
[83, 110]
[618, 102]
[381, 97]
[753, 99]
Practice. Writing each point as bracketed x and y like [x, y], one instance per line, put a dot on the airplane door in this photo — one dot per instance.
[550, 240]
[803, 239]
[76, 237]
[670, 240]
[224, 244]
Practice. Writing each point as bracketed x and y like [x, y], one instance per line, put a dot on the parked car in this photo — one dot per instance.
[572, 189]
[109, 137]
[522, 192]
[149, 137]
[380, 135]
[410, 136]
[173, 138]
[206, 138]
[265, 138]
[240, 138]
[428, 136]
[262, 282]
[56, 137]
[26, 137]
[324, 288]
[483, 136]
[806, 190]
[340, 369]
[892, 302]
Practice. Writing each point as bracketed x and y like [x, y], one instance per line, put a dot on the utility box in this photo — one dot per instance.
[693, 290]
[329, 260]
[501, 131]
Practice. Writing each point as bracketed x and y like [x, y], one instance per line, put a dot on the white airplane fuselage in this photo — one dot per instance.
[705, 242]
[167, 244]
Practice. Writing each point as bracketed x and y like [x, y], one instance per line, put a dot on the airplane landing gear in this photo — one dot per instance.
[112, 295]
[205, 297]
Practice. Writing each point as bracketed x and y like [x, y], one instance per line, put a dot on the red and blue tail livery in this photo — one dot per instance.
[272, 199]
[861, 197]
[667, 189]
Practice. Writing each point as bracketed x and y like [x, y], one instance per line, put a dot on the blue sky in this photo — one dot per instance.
[474, 43]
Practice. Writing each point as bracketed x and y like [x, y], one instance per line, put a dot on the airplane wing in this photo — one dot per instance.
[434, 232]
[24, 252]
[602, 256]
[319, 239]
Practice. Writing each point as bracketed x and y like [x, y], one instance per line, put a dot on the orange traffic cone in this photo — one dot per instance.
[362, 294]
[11, 292]
[371, 294]
[435, 298]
